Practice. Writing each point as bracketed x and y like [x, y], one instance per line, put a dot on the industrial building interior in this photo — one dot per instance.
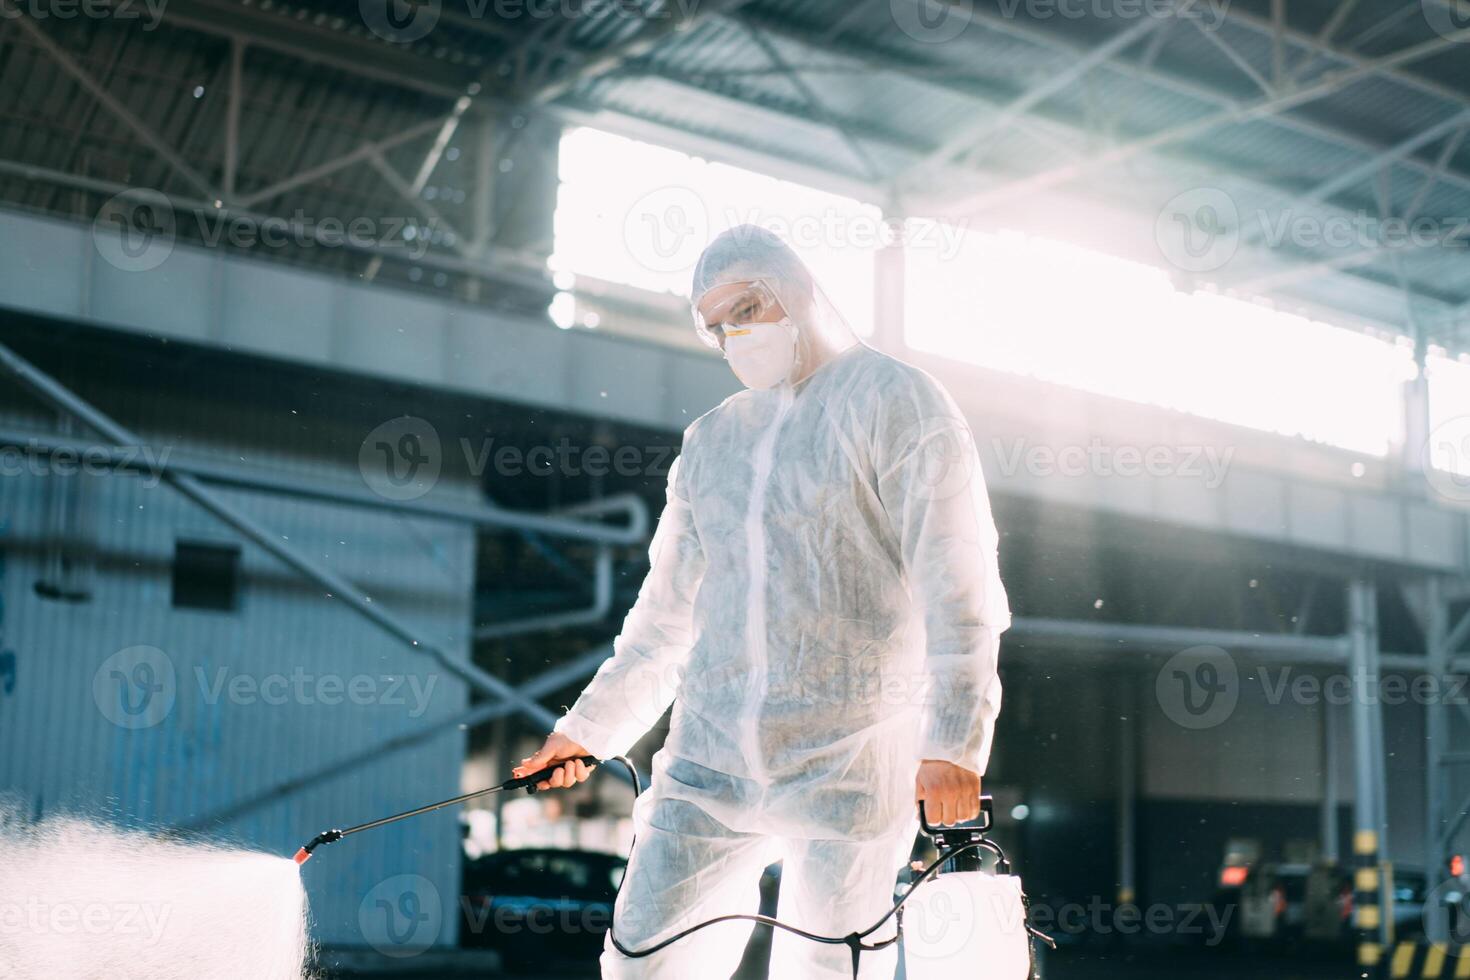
[347, 349]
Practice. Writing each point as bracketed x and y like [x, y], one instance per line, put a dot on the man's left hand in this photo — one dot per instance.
[951, 793]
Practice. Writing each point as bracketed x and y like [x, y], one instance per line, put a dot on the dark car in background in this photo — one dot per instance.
[539, 905]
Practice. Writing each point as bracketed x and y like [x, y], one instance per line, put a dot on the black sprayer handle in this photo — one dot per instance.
[986, 821]
[530, 781]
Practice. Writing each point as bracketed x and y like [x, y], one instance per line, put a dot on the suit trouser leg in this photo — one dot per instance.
[833, 888]
[686, 867]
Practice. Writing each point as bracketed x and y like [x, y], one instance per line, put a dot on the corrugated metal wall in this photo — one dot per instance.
[288, 681]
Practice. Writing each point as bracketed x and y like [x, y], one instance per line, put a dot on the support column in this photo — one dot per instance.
[888, 289]
[1331, 792]
[1368, 920]
[1436, 744]
[482, 213]
[1127, 789]
[1415, 393]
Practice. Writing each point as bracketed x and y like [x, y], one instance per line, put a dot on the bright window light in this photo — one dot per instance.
[1449, 419]
[1076, 317]
[639, 215]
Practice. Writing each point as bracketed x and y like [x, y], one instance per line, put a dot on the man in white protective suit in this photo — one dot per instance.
[823, 610]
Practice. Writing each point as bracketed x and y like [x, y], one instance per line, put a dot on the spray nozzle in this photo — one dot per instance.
[325, 837]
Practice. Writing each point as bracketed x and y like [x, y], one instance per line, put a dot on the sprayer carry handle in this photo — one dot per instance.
[530, 781]
[987, 821]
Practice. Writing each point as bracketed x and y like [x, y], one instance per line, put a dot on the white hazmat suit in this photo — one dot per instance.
[823, 609]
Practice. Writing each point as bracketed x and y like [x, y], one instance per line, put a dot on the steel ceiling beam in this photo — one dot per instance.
[359, 55]
[720, 88]
[602, 62]
[232, 117]
[1263, 109]
[109, 101]
[814, 102]
[1373, 166]
[958, 143]
[1014, 27]
[1266, 86]
[361, 154]
[1320, 45]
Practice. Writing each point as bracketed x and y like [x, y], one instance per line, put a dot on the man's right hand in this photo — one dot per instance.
[558, 748]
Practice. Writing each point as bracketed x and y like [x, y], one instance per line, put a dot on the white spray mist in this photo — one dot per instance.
[80, 901]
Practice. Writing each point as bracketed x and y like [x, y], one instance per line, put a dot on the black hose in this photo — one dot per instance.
[853, 940]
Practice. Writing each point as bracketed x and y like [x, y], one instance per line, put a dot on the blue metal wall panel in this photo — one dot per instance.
[66, 745]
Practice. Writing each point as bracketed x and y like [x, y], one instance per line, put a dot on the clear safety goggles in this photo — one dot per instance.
[753, 302]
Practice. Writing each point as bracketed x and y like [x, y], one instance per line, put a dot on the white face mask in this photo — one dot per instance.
[762, 355]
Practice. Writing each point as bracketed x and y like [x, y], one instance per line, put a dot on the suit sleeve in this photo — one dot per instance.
[933, 491]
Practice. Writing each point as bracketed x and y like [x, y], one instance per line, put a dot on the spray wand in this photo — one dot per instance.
[528, 782]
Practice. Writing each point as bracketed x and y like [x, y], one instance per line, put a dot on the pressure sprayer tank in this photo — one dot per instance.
[965, 922]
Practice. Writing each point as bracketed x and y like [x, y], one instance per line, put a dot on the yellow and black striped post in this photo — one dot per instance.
[1418, 960]
[1367, 915]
